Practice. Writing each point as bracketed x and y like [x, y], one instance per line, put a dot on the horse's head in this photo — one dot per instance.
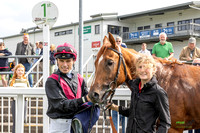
[112, 69]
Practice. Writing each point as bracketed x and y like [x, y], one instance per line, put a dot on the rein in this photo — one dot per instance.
[112, 90]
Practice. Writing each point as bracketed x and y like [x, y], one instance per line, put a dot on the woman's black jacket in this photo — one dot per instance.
[146, 107]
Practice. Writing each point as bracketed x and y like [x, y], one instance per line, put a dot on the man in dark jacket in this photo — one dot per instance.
[26, 48]
[66, 90]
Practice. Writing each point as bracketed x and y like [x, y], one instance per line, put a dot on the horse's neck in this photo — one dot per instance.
[130, 57]
[163, 74]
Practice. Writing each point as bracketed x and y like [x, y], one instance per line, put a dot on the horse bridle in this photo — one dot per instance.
[112, 90]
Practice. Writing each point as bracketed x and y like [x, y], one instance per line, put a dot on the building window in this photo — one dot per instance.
[197, 21]
[170, 24]
[143, 27]
[125, 29]
[146, 27]
[97, 29]
[125, 33]
[184, 24]
[60, 33]
[114, 29]
[197, 27]
[140, 28]
[158, 25]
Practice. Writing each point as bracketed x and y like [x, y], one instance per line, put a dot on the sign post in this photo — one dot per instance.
[44, 16]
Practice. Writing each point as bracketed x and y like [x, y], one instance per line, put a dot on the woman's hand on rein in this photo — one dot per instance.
[112, 106]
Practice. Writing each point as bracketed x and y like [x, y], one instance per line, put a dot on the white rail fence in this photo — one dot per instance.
[35, 101]
[23, 97]
[36, 120]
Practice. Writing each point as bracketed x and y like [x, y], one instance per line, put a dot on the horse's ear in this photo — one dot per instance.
[112, 40]
[105, 40]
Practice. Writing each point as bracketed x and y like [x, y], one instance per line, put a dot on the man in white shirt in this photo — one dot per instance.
[144, 49]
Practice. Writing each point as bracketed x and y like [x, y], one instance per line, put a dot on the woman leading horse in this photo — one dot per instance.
[180, 81]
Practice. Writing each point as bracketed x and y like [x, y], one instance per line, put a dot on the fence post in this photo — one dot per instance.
[45, 117]
[19, 122]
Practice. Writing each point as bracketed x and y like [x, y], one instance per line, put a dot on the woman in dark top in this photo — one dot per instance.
[149, 101]
[4, 62]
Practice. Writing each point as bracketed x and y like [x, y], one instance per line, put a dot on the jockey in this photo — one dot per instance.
[65, 89]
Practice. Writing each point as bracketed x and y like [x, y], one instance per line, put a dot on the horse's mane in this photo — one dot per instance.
[171, 62]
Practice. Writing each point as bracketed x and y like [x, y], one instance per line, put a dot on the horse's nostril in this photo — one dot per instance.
[95, 95]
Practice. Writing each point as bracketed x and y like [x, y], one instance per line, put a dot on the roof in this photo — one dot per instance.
[67, 25]
[160, 11]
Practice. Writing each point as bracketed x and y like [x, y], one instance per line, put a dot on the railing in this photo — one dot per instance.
[190, 29]
[89, 75]
[21, 94]
[16, 57]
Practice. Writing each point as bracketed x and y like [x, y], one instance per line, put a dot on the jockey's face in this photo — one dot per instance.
[65, 65]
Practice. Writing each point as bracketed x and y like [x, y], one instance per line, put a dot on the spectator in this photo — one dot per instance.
[37, 51]
[66, 90]
[4, 62]
[163, 48]
[11, 68]
[149, 101]
[52, 59]
[190, 52]
[18, 80]
[144, 49]
[41, 47]
[196, 62]
[41, 63]
[26, 48]
[119, 42]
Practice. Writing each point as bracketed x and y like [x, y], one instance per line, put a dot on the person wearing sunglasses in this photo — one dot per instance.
[65, 89]
[119, 42]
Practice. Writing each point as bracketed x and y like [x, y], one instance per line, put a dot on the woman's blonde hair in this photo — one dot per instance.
[146, 59]
[15, 74]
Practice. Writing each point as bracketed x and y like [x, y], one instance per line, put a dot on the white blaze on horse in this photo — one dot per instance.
[115, 65]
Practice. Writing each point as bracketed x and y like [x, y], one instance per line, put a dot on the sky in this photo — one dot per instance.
[17, 14]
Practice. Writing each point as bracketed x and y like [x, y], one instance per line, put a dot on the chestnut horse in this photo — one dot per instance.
[180, 81]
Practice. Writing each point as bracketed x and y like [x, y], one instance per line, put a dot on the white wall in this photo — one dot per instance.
[92, 37]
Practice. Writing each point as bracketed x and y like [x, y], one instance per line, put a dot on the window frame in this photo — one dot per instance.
[97, 29]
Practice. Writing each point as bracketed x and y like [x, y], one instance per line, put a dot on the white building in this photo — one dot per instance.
[179, 22]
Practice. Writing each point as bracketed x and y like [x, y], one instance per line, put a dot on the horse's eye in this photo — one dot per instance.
[110, 62]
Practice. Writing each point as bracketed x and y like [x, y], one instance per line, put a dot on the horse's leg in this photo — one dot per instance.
[172, 130]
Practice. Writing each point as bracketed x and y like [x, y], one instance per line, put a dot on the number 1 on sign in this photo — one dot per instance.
[44, 9]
